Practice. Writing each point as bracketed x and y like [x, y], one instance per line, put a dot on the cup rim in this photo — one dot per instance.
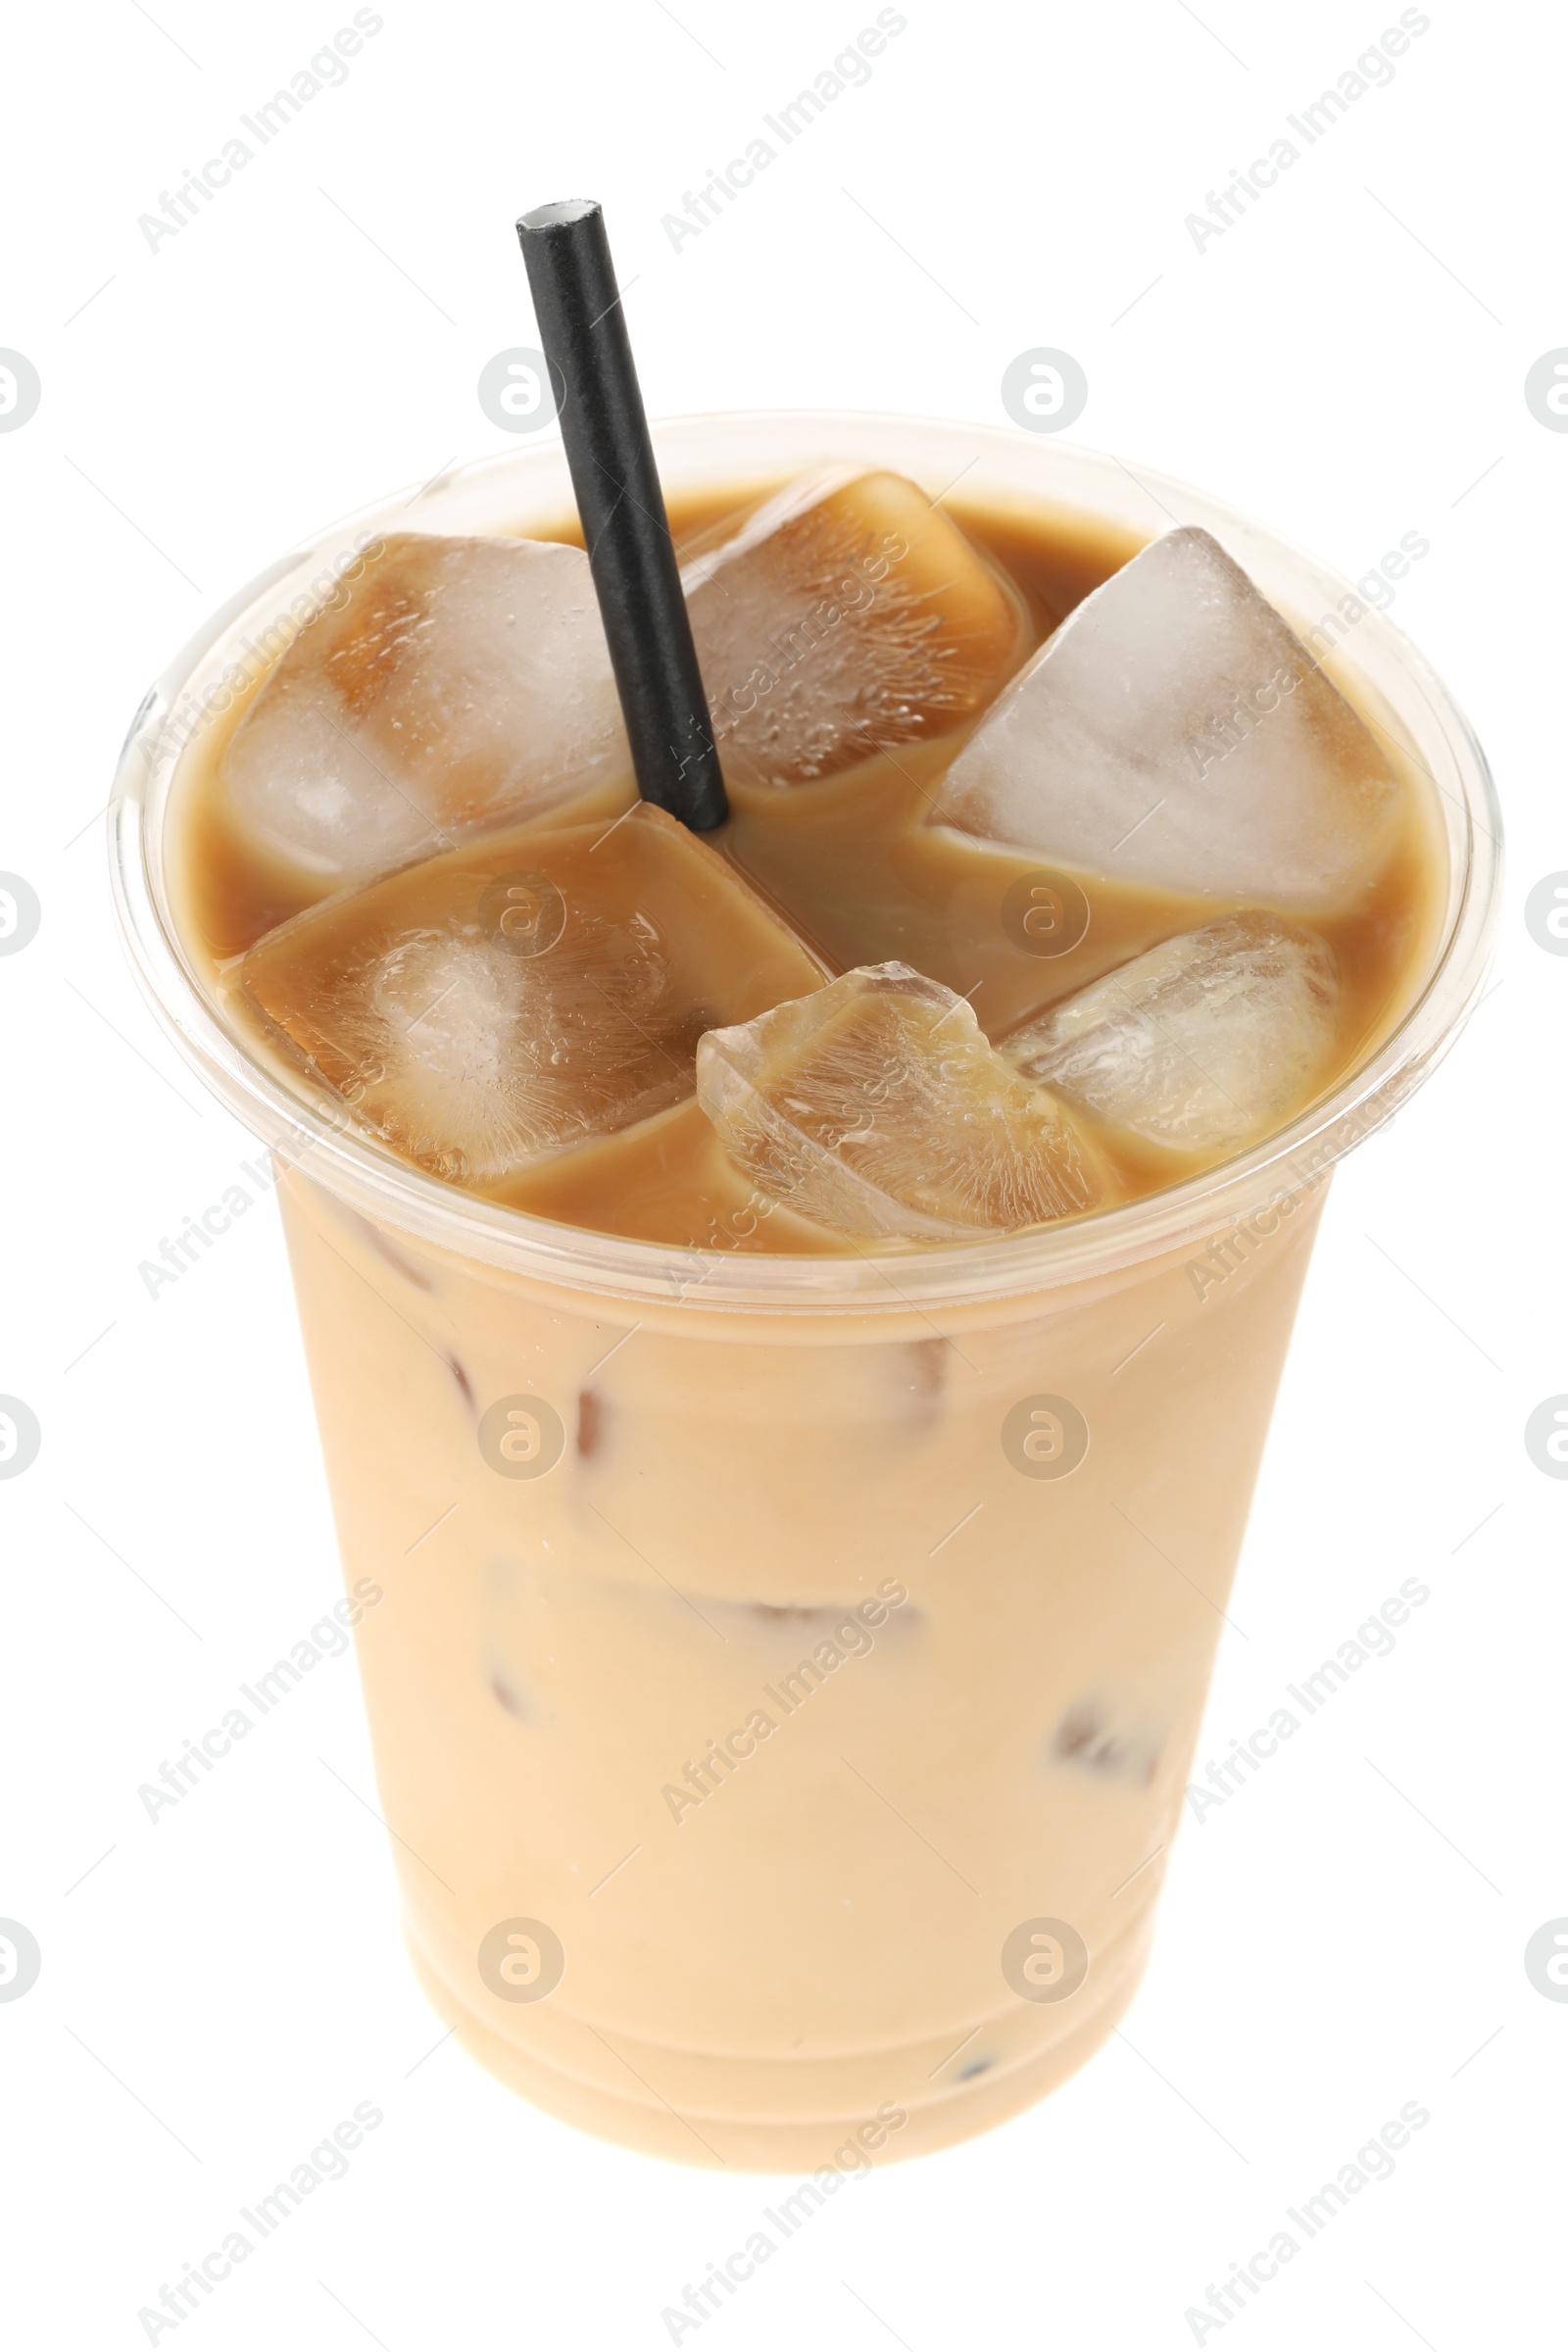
[1276, 1171]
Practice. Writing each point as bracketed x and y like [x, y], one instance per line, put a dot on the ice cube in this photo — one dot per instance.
[460, 679]
[527, 990]
[1089, 1738]
[848, 613]
[1203, 1041]
[875, 1107]
[1174, 731]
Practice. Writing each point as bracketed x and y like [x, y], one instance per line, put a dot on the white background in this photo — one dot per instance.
[1347, 1933]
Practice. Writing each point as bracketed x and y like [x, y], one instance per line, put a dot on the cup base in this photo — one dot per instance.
[731, 2144]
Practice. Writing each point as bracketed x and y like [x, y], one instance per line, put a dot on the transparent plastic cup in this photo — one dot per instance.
[788, 1670]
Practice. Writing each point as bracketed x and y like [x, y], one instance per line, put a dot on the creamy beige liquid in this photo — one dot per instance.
[784, 1697]
[773, 1674]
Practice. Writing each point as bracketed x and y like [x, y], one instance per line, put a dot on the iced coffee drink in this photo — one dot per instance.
[794, 1312]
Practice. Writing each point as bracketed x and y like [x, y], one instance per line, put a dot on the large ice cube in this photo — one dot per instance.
[1174, 731]
[460, 679]
[527, 990]
[1203, 1041]
[848, 613]
[876, 1107]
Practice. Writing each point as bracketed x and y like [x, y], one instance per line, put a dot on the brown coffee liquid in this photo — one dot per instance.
[854, 864]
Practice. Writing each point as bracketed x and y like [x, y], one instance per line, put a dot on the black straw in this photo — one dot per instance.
[583, 326]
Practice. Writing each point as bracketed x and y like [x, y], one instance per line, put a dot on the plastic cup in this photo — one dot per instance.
[787, 1671]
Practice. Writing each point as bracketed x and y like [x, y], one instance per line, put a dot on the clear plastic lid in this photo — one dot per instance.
[1417, 720]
